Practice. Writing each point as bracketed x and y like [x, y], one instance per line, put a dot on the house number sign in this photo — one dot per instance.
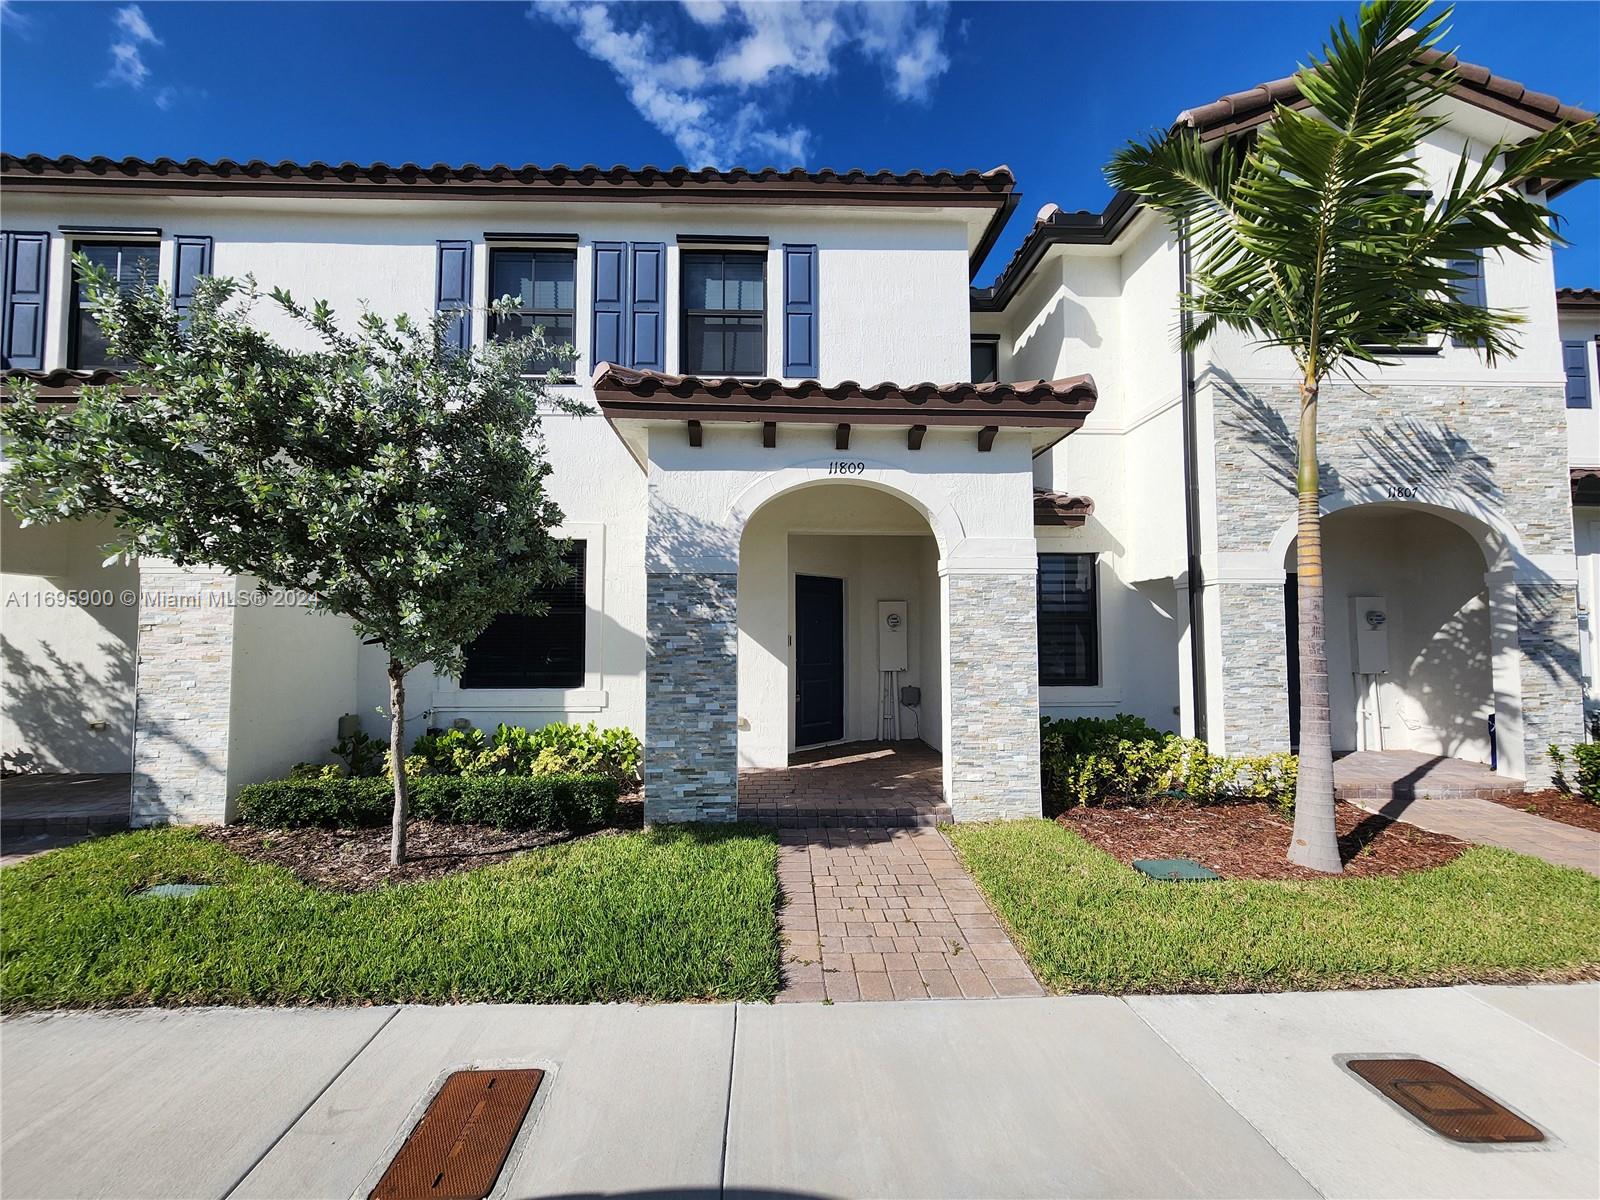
[840, 466]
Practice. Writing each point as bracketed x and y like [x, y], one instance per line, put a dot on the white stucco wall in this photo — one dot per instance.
[1586, 536]
[892, 284]
[294, 676]
[67, 634]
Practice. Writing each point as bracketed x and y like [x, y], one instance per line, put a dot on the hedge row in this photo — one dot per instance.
[504, 801]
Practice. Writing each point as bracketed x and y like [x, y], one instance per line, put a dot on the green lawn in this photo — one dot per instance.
[1088, 923]
[663, 915]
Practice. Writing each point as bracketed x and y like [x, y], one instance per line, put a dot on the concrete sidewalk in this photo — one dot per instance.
[1069, 1096]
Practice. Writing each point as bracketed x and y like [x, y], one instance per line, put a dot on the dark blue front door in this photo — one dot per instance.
[818, 659]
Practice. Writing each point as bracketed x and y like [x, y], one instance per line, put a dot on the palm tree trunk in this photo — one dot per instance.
[1316, 842]
[397, 760]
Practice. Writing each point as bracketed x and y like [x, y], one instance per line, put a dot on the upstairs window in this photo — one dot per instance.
[1469, 288]
[724, 313]
[522, 651]
[985, 359]
[132, 265]
[1069, 621]
[543, 285]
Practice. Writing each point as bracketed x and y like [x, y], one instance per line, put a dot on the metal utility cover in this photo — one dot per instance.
[1444, 1103]
[1184, 870]
[181, 890]
[457, 1150]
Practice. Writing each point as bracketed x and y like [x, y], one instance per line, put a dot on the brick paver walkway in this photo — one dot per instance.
[1445, 795]
[888, 914]
[866, 785]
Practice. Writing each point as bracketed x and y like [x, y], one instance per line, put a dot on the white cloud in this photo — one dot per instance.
[12, 18]
[132, 23]
[132, 33]
[708, 104]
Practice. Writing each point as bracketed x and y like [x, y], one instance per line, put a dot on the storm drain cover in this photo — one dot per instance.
[181, 890]
[1178, 869]
[458, 1148]
[1441, 1101]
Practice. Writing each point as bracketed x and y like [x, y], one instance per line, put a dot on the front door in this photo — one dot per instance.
[818, 660]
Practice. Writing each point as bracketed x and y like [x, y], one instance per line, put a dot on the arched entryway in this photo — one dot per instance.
[1410, 632]
[841, 678]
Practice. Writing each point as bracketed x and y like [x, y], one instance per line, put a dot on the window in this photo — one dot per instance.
[542, 282]
[1469, 288]
[724, 313]
[1069, 618]
[132, 265]
[985, 360]
[521, 651]
[1575, 366]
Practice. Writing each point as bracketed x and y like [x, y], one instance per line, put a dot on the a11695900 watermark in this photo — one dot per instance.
[155, 598]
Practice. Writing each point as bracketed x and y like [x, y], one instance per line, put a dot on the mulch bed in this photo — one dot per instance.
[1555, 806]
[353, 860]
[1250, 841]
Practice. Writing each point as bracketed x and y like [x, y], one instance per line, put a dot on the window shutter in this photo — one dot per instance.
[27, 272]
[191, 261]
[1470, 289]
[610, 298]
[647, 315]
[1575, 362]
[454, 292]
[800, 358]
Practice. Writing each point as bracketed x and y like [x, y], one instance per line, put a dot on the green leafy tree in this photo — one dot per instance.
[1320, 236]
[394, 479]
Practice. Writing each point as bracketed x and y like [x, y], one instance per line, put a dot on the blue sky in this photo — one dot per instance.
[1050, 89]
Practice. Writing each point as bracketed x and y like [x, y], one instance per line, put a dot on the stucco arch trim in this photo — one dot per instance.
[919, 492]
[1498, 541]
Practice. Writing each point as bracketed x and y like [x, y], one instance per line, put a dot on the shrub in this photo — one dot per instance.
[1585, 761]
[1090, 760]
[567, 801]
[556, 749]
[362, 755]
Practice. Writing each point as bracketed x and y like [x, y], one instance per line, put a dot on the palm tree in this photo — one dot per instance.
[1321, 237]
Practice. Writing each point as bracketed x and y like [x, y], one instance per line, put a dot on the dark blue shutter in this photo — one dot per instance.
[1469, 290]
[454, 293]
[1575, 363]
[609, 343]
[191, 260]
[800, 358]
[27, 276]
[647, 318]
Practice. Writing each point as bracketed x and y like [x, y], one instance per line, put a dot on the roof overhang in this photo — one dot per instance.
[1061, 511]
[978, 192]
[634, 401]
[1578, 300]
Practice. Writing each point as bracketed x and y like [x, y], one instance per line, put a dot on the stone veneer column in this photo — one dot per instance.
[182, 693]
[691, 739]
[1254, 672]
[1552, 679]
[991, 751]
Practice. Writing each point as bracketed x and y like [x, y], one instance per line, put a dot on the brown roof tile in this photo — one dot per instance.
[1586, 485]
[1060, 509]
[625, 393]
[1571, 298]
[60, 384]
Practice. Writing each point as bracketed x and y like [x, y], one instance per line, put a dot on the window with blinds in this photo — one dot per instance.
[543, 285]
[522, 651]
[724, 313]
[1069, 621]
[132, 265]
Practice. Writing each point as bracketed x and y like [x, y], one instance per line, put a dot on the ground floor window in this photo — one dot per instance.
[522, 651]
[1069, 621]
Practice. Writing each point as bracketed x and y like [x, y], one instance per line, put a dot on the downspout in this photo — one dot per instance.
[1191, 498]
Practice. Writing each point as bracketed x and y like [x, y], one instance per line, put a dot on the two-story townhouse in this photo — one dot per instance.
[786, 537]
[1452, 610]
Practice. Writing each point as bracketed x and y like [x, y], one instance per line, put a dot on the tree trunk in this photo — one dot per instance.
[1316, 841]
[397, 760]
